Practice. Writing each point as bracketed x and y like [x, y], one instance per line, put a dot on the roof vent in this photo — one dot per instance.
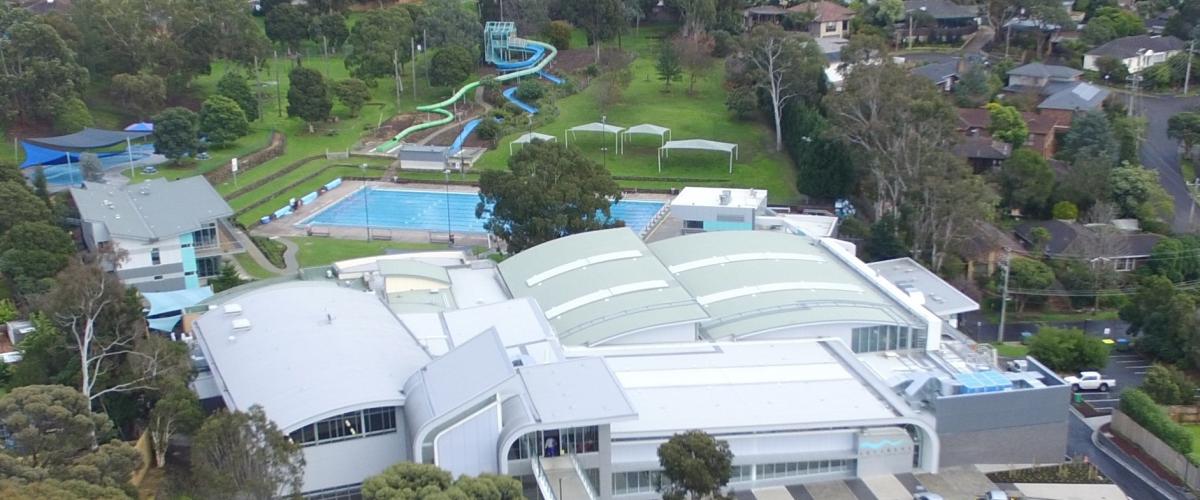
[233, 308]
[726, 195]
[241, 325]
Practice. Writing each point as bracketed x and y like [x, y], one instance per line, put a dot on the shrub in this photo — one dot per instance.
[487, 130]
[71, 116]
[1168, 385]
[722, 43]
[558, 33]
[1142, 409]
[1068, 350]
[1065, 210]
[451, 65]
[530, 91]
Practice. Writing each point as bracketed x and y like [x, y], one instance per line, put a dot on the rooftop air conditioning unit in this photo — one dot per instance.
[233, 308]
[241, 325]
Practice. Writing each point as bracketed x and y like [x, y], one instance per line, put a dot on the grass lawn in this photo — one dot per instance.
[1187, 170]
[252, 268]
[699, 116]
[1195, 430]
[1054, 316]
[318, 251]
[333, 170]
[272, 249]
[1011, 350]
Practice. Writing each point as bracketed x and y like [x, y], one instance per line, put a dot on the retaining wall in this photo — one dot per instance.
[1156, 448]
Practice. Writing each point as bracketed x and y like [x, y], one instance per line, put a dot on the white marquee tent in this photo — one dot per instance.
[597, 127]
[663, 133]
[530, 137]
[707, 145]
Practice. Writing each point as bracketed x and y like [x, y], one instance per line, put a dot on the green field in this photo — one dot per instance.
[1011, 350]
[1195, 430]
[699, 116]
[252, 267]
[317, 251]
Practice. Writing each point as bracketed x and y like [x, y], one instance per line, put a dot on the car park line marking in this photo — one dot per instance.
[1143, 372]
[1138, 360]
[1125, 356]
[1140, 367]
[1101, 400]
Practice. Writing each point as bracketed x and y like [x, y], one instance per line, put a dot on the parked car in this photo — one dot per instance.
[995, 495]
[1017, 365]
[927, 496]
[149, 169]
[1090, 381]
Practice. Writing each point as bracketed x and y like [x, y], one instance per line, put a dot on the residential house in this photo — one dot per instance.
[1078, 97]
[174, 233]
[829, 19]
[1137, 52]
[944, 75]
[1102, 244]
[1041, 76]
[983, 153]
[984, 248]
[937, 21]
[760, 14]
[1044, 128]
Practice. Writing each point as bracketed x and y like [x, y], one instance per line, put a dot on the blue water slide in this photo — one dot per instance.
[462, 136]
[508, 94]
[548, 76]
[535, 51]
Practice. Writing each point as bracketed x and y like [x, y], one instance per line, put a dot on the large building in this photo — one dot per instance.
[568, 364]
[172, 232]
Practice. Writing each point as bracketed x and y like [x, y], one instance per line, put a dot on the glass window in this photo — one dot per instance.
[693, 224]
[155, 258]
[350, 425]
[829, 27]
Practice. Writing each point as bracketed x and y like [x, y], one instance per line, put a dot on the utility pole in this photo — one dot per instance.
[1004, 295]
[1194, 189]
[396, 74]
[413, 47]
[1187, 75]
[1134, 80]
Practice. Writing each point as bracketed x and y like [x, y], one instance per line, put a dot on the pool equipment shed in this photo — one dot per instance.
[530, 137]
[663, 133]
[704, 144]
[597, 127]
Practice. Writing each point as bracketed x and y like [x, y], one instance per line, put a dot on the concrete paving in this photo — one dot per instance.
[1071, 491]
[831, 490]
[957, 483]
[887, 488]
[772, 493]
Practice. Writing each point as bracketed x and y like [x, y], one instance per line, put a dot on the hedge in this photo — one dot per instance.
[1139, 407]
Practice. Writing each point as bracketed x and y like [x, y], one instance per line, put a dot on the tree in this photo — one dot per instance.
[234, 86]
[558, 34]
[91, 167]
[1185, 128]
[1168, 385]
[1028, 274]
[228, 278]
[175, 132]
[39, 71]
[1007, 124]
[823, 164]
[548, 191]
[1137, 193]
[786, 68]
[20, 205]
[1165, 319]
[694, 57]
[694, 464]
[406, 480]
[450, 66]
[612, 85]
[245, 455]
[222, 121]
[31, 253]
[142, 93]
[667, 65]
[379, 42]
[600, 19]
[353, 94]
[287, 25]
[176, 411]
[697, 15]
[530, 91]
[51, 425]
[1168, 259]
[1089, 131]
[330, 31]
[449, 24]
[1026, 180]
[1065, 210]
[72, 115]
[72, 489]
[1112, 69]
[1068, 350]
[1128, 132]
[1110, 23]
[308, 96]
[976, 87]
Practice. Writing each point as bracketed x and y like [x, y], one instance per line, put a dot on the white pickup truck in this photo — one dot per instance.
[1090, 381]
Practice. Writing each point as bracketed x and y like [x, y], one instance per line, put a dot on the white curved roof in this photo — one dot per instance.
[533, 136]
[647, 128]
[728, 147]
[300, 365]
[596, 127]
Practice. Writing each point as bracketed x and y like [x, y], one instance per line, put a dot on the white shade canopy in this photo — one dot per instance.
[649, 129]
[529, 137]
[702, 144]
[597, 127]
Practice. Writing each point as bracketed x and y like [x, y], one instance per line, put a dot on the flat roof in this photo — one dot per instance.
[730, 386]
[940, 297]
[154, 209]
[756, 281]
[712, 197]
[596, 285]
[298, 363]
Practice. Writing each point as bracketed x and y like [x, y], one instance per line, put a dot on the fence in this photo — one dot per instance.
[275, 147]
[1170, 459]
[145, 449]
[1184, 414]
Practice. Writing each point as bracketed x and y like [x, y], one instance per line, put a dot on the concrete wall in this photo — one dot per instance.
[349, 462]
[1019, 426]
[1156, 448]
[469, 446]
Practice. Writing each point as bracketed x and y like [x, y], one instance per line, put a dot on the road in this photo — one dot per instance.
[1160, 152]
[1079, 443]
[1128, 369]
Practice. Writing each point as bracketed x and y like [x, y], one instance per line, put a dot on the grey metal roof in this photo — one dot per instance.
[940, 297]
[415, 268]
[576, 390]
[152, 210]
[299, 364]
[600, 284]
[1040, 70]
[753, 282]
[1081, 96]
[937, 72]
[1131, 46]
[982, 147]
[941, 9]
[466, 373]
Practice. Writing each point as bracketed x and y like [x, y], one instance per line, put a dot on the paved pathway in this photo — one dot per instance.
[289, 254]
[1161, 153]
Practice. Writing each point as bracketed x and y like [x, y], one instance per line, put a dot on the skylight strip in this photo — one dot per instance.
[813, 286]
[581, 263]
[741, 257]
[603, 294]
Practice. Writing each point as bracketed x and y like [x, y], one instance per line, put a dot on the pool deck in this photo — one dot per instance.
[287, 225]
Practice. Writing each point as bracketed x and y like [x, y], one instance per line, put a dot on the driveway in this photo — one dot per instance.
[1161, 153]
[1079, 443]
[1128, 369]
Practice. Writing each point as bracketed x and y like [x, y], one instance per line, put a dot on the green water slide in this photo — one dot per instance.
[448, 116]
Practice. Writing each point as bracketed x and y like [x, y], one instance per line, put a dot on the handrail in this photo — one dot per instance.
[539, 476]
[587, 483]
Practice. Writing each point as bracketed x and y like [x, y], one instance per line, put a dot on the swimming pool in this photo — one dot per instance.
[71, 174]
[426, 211]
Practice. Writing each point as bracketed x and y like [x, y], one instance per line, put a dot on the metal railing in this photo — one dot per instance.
[587, 483]
[539, 476]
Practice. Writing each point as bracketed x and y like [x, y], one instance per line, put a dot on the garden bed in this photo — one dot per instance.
[1140, 455]
[1067, 473]
[272, 249]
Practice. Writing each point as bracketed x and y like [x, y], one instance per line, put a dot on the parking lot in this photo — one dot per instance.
[1128, 369]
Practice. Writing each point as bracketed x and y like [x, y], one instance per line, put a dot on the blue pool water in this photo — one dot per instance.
[71, 174]
[426, 211]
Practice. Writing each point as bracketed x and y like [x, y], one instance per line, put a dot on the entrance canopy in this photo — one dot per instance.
[530, 137]
[703, 144]
[88, 138]
[597, 127]
[166, 308]
[663, 133]
[37, 155]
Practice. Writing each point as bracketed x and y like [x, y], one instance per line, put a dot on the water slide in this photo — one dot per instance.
[548, 76]
[526, 67]
[462, 136]
[526, 107]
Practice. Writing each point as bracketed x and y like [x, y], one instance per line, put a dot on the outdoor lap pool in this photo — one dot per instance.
[426, 211]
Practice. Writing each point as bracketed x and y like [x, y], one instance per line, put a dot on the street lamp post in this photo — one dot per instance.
[366, 200]
[449, 229]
